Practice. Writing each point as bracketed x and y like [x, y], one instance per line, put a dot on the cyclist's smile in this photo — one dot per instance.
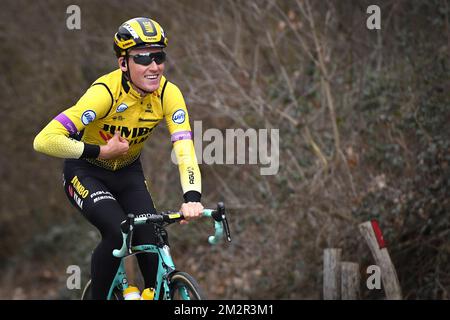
[153, 79]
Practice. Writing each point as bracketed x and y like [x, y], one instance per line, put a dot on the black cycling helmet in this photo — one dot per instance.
[139, 32]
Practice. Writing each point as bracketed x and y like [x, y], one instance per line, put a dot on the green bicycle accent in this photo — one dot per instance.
[170, 282]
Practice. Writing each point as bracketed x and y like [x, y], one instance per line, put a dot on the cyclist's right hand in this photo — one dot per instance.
[114, 148]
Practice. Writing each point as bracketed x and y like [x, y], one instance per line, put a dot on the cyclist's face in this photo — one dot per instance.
[145, 77]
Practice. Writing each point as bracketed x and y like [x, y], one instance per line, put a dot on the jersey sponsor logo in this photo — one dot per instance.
[102, 195]
[137, 141]
[67, 123]
[105, 136]
[87, 117]
[127, 132]
[70, 189]
[181, 135]
[190, 171]
[75, 197]
[78, 201]
[121, 107]
[104, 198]
[179, 116]
[133, 135]
[79, 188]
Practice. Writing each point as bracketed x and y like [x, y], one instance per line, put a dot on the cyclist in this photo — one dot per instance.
[101, 138]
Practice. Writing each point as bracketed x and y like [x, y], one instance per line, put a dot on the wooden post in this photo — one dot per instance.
[350, 281]
[372, 234]
[331, 274]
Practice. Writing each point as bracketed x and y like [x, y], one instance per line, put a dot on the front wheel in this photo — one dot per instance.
[184, 287]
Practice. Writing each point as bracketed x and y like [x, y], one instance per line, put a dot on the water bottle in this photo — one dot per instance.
[131, 293]
[148, 294]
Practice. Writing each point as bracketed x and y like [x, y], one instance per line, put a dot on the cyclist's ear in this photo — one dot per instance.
[123, 64]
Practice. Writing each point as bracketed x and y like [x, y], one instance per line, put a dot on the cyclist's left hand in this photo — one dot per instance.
[190, 211]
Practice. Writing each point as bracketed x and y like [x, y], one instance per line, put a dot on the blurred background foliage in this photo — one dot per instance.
[364, 134]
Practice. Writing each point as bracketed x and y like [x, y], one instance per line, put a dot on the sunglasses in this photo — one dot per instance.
[147, 58]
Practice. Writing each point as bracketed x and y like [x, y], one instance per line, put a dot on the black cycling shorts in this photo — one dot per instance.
[104, 198]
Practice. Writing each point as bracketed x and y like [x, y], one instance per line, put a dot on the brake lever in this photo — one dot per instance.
[227, 228]
[223, 218]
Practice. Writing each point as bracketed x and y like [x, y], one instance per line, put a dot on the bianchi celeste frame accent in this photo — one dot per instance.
[171, 284]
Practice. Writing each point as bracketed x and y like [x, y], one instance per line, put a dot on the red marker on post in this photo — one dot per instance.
[378, 234]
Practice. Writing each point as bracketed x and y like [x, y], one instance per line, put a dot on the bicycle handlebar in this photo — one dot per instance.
[127, 226]
[220, 223]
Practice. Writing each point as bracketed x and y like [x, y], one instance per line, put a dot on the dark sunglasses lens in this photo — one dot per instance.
[145, 60]
[160, 57]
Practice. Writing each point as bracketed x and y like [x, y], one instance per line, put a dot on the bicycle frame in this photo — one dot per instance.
[165, 268]
[166, 265]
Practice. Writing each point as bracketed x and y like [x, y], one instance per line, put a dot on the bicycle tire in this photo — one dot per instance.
[179, 280]
[87, 293]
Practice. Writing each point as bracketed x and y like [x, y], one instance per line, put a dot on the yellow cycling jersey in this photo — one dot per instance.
[111, 105]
